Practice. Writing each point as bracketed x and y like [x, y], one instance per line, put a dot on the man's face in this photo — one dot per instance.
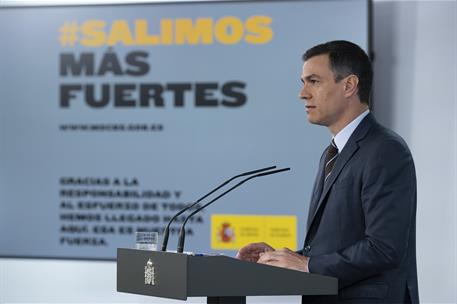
[324, 98]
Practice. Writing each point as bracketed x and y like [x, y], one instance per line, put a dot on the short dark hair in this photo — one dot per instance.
[347, 58]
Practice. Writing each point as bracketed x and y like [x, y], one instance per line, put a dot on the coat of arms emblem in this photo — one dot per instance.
[149, 273]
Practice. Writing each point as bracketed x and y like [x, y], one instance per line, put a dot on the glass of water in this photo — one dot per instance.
[146, 240]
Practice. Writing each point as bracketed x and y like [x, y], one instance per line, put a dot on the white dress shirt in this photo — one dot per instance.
[343, 136]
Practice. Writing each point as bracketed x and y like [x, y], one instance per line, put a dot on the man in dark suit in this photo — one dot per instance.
[361, 221]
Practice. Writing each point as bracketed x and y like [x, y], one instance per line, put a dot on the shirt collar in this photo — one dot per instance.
[343, 136]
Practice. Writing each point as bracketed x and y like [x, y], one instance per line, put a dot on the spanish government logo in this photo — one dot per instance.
[226, 234]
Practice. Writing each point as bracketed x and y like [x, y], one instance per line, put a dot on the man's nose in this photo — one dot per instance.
[304, 94]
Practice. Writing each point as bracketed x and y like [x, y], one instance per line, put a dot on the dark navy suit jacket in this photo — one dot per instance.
[362, 220]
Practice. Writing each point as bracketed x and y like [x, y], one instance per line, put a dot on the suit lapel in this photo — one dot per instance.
[348, 151]
[343, 158]
[317, 189]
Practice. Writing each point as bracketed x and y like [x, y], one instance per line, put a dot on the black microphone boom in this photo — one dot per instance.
[167, 228]
[182, 233]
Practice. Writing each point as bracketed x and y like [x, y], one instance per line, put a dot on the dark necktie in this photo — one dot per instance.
[330, 159]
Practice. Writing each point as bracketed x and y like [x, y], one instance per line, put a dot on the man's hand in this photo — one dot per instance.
[285, 258]
[252, 251]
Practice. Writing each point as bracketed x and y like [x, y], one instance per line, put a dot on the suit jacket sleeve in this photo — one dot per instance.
[388, 196]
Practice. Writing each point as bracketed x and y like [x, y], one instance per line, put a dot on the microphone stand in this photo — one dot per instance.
[182, 232]
[167, 228]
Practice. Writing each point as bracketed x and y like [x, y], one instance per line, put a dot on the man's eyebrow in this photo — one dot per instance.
[309, 77]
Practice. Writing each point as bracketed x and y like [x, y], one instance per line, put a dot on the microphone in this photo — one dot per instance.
[182, 233]
[167, 228]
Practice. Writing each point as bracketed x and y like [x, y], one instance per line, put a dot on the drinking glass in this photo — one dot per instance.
[146, 240]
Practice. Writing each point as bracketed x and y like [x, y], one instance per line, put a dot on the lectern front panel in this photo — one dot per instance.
[152, 273]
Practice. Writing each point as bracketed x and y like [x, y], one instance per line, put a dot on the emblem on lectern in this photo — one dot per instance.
[149, 273]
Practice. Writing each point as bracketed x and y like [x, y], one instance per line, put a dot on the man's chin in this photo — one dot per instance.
[314, 121]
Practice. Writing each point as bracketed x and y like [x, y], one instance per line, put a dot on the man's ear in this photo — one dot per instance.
[350, 85]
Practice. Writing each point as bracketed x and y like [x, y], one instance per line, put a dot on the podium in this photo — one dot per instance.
[220, 278]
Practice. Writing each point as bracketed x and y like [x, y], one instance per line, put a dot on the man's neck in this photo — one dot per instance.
[347, 119]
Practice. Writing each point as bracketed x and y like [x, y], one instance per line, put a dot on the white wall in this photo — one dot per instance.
[415, 94]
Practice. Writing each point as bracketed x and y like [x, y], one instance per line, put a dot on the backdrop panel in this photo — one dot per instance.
[114, 117]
